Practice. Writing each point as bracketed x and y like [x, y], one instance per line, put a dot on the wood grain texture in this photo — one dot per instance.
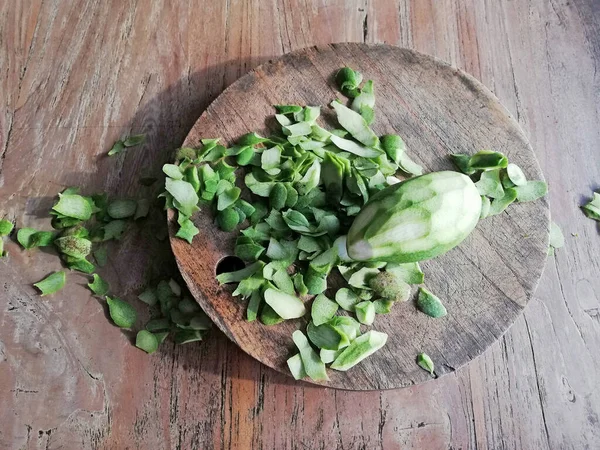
[438, 110]
[75, 76]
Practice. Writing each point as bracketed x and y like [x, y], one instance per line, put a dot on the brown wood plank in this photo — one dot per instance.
[74, 78]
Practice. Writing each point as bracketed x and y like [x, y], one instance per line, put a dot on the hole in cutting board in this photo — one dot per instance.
[229, 264]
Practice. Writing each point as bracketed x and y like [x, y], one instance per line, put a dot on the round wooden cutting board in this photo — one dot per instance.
[485, 282]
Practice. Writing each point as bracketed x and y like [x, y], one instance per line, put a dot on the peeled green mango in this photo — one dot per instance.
[415, 220]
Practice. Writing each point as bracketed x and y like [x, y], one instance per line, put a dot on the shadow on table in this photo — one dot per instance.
[144, 255]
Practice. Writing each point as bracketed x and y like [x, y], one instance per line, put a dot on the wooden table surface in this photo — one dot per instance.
[75, 76]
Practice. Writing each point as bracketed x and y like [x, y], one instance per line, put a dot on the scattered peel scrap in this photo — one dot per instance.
[425, 362]
[592, 208]
[52, 283]
[430, 304]
[99, 286]
[181, 316]
[557, 239]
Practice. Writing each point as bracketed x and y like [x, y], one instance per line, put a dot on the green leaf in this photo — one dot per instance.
[80, 264]
[269, 317]
[146, 341]
[485, 207]
[6, 227]
[348, 81]
[288, 109]
[365, 98]
[498, 205]
[531, 191]
[430, 304]
[489, 184]
[148, 297]
[161, 336]
[557, 240]
[173, 171]
[516, 175]
[228, 198]
[73, 206]
[114, 230]
[244, 158]
[297, 221]
[355, 124]
[309, 244]
[98, 286]
[121, 209]
[313, 365]
[24, 237]
[360, 278]
[425, 362]
[73, 246]
[160, 324]
[354, 148]
[299, 129]
[488, 160]
[192, 176]
[186, 153]
[134, 140]
[368, 114]
[260, 188]
[228, 219]
[365, 312]
[296, 367]
[121, 313]
[78, 231]
[327, 337]
[323, 309]
[142, 208]
[410, 273]
[187, 336]
[292, 196]
[184, 194]
[332, 174]
[278, 196]
[117, 147]
[285, 305]
[409, 166]
[316, 282]
[248, 251]
[383, 306]
[253, 306]
[310, 180]
[225, 171]
[360, 348]
[328, 356]
[175, 288]
[348, 325]
[461, 161]
[311, 114]
[394, 146]
[347, 299]
[52, 283]
[252, 139]
[282, 280]
[41, 239]
[299, 285]
[249, 286]
[592, 208]
[188, 306]
[239, 275]
[187, 230]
